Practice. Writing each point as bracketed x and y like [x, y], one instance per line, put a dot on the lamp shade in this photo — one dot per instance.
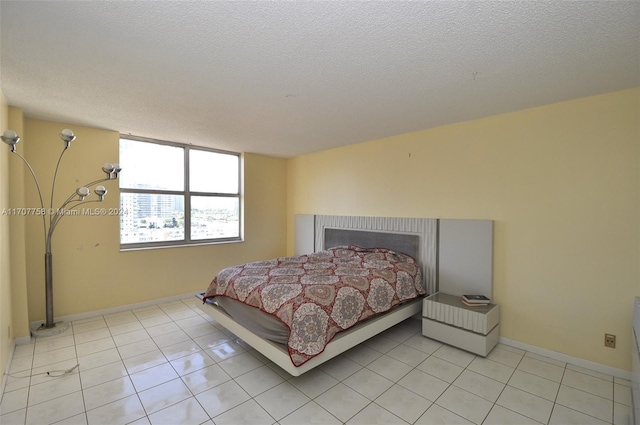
[67, 136]
[10, 137]
[83, 191]
[100, 190]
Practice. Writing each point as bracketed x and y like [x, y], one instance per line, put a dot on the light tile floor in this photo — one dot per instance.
[171, 364]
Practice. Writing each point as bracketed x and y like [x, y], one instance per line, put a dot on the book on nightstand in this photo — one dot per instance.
[475, 300]
[474, 304]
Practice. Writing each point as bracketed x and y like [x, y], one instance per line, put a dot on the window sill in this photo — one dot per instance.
[178, 245]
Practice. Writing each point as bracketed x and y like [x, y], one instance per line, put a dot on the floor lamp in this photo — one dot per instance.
[75, 200]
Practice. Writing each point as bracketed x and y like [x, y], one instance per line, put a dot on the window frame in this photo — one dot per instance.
[187, 194]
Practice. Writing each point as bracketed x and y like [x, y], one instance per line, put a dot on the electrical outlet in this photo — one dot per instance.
[610, 340]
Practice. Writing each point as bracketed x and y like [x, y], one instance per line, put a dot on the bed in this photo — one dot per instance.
[304, 325]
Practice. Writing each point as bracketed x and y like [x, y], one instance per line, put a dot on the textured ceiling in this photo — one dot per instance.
[289, 78]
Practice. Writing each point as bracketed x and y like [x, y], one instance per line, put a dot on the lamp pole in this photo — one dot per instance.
[76, 199]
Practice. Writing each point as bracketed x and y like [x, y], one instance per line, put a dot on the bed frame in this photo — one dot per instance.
[415, 237]
[342, 342]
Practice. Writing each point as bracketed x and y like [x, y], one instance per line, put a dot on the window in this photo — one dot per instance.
[173, 194]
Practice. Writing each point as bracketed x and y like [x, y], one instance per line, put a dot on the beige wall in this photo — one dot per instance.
[6, 337]
[18, 174]
[90, 272]
[560, 181]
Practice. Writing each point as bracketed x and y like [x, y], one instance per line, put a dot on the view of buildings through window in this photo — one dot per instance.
[163, 181]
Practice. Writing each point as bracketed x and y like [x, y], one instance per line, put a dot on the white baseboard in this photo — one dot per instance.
[119, 309]
[22, 340]
[597, 367]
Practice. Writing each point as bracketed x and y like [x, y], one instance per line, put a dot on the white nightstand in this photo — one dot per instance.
[445, 318]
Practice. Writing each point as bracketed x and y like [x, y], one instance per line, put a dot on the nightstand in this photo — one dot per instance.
[445, 318]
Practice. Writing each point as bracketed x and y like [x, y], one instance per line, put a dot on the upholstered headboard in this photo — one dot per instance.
[401, 242]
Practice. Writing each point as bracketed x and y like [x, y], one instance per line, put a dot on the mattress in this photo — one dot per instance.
[258, 322]
[316, 296]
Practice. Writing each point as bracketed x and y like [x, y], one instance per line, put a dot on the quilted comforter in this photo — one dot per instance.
[320, 294]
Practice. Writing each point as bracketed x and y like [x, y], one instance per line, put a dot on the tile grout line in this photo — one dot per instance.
[506, 384]
[75, 347]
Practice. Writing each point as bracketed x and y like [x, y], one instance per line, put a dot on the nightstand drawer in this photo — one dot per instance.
[469, 341]
[450, 310]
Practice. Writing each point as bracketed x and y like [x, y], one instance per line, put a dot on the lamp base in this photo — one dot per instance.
[56, 329]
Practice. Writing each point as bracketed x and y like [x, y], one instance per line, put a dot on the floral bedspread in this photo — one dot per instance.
[321, 294]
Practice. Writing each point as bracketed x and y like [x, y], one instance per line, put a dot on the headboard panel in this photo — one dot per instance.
[456, 255]
[401, 242]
